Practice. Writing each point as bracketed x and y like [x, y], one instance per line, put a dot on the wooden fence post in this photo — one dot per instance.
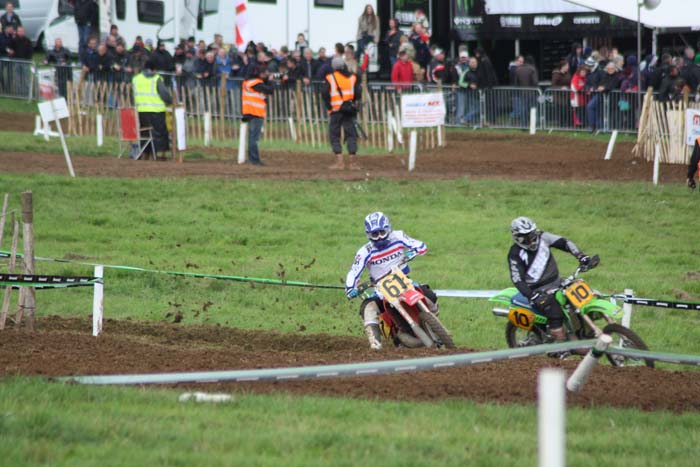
[11, 270]
[3, 216]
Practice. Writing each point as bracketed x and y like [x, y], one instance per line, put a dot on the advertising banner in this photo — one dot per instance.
[422, 110]
[692, 126]
[476, 19]
[408, 12]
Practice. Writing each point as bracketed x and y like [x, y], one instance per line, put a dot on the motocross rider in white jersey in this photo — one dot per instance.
[386, 248]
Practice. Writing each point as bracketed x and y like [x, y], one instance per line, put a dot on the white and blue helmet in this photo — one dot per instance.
[377, 228]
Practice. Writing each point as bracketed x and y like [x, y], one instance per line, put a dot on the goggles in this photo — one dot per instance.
[527, 239]
[378, 234]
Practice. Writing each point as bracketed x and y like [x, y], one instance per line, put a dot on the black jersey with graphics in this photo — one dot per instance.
[530, 269]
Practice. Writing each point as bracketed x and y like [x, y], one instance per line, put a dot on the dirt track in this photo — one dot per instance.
[66, 347]
[476, 155]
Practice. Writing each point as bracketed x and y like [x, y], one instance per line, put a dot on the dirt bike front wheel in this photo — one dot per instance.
[436, 330]
[626, 339]
[518, 337]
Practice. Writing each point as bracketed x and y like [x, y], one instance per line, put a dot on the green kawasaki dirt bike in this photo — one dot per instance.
[582, 307]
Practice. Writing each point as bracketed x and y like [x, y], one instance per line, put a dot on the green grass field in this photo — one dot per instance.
[310, 231]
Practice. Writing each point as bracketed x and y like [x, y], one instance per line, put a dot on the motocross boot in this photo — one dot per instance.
[559, 335]
[373, 336]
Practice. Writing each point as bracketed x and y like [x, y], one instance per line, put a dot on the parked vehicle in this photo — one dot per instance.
[582, 307]
[274, 23]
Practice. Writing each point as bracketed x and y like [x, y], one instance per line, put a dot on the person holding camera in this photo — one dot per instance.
[341, 94]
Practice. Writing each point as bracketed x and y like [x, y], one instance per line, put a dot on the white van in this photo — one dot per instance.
[150, 19]
[276, 23]
[32, 13]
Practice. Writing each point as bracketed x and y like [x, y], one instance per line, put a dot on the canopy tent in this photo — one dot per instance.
[669, 14]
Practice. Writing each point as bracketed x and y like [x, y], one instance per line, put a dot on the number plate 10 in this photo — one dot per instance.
[579, 294]
[522, 318]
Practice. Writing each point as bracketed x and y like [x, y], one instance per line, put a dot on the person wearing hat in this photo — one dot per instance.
[163, 59]
[254, 107]
[341, 93]
[439, 70]
[151, 96]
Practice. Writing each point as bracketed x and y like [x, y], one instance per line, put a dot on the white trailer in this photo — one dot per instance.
[273, 22]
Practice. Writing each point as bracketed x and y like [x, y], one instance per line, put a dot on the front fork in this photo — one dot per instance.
[415, 327]
[592, 325]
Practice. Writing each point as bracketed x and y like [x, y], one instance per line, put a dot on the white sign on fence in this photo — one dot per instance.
[422, 110]
[47, 87]
[53, 109]
[692, 126]
[180, 125]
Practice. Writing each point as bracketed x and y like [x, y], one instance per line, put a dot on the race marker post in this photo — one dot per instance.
[421, 111]
[551, 418]
[54, 110]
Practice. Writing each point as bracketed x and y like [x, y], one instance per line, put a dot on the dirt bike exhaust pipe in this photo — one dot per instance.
[500, 312]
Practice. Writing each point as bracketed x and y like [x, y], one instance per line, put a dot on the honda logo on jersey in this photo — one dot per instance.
[387, 259]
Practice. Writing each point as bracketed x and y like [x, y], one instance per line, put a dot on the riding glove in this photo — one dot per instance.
[352, 293]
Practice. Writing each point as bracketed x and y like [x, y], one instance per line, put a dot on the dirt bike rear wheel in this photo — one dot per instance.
[628, 339]
[518, 337]
[436, 330]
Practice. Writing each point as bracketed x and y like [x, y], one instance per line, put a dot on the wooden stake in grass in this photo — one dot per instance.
[28, 257]
[11, 270]
[3, 216]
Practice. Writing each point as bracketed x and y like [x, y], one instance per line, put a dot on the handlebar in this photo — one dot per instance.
[594, 261]
[365, 286]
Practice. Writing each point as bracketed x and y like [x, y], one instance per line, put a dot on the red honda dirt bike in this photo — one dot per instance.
[405, 318]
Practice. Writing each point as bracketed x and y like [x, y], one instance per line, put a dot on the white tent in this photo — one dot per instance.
[669, 13]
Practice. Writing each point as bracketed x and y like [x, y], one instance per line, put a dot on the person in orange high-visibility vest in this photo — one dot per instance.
[341, 94]
[694, 165]
[254, 105]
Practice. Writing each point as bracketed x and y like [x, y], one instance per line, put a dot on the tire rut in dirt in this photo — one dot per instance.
[66, 347]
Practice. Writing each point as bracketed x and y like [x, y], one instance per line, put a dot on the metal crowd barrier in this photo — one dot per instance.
[17, 79]
[497, 107]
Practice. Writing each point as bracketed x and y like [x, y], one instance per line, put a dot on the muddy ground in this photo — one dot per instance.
[65, 346]
[468, 154]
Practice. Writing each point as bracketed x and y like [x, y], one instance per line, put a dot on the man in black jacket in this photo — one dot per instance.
[694, 165]
[84, 11]
[60, 57]
[21, 47]
[164, 61]
[10, 18]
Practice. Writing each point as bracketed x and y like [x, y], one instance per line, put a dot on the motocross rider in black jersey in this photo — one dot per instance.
[534, 271]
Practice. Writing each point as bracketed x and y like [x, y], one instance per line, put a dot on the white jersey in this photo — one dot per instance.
[380, 261]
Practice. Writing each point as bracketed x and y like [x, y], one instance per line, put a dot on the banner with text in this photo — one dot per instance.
[692, 126]
[422, 110]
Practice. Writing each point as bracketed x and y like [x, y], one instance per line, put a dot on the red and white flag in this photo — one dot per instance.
[243, 33]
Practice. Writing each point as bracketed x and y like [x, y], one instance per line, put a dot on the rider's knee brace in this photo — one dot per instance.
[370, 313]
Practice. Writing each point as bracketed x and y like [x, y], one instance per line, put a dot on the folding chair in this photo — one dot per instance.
[131, 132]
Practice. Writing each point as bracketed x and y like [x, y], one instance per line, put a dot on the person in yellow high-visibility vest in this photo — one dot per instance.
[341, 93]
[254, 107]
[694, 165]
[151, 97]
